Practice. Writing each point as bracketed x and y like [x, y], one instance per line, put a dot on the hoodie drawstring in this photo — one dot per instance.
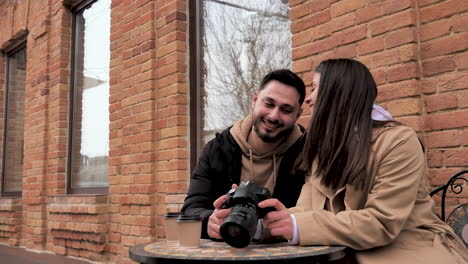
[274, 171]
[251, 165]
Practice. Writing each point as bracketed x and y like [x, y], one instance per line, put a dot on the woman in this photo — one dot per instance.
[367, 188]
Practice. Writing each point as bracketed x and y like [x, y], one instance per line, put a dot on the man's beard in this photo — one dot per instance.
[265, 137]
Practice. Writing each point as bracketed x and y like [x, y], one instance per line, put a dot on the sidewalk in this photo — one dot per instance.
[15, 255]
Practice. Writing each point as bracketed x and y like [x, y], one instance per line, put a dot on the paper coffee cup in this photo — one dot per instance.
[189, 229]
[170, 224]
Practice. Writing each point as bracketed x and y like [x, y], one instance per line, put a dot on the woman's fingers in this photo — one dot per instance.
[282, 231]
[279, 222]
[272, 203]
[276, 216]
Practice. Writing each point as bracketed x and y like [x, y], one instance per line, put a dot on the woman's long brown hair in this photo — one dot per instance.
[340, 130]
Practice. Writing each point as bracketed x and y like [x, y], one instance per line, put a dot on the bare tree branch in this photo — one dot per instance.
[242, 44]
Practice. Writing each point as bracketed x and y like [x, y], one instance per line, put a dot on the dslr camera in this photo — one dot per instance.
[240, 226]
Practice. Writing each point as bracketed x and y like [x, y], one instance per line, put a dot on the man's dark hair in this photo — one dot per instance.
[287, 77]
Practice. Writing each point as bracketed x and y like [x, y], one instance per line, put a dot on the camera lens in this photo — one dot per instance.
[239, 227]
[236, 235]
[234, 230]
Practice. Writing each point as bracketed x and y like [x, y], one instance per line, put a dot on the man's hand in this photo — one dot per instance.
[218, 216]
[279, 222]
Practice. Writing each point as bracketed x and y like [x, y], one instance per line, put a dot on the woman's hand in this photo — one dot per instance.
[279, 221]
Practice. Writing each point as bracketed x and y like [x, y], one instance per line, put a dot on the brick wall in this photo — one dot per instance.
[148, 134]
[417, 52]
[415, 49]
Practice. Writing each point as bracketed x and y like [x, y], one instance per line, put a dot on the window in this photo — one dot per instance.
[14, 122]
[89, 99]
[234, 44]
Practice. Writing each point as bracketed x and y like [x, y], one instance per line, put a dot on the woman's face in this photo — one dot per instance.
[310, 100]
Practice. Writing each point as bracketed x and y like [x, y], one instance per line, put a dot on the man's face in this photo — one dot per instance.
[275, 110]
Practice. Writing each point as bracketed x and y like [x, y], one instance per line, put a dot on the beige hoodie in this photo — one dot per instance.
[261, 169]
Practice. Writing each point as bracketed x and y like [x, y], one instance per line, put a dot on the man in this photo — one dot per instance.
[261, 148]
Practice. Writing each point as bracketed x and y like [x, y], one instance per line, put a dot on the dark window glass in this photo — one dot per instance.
[14, 122]
[89, 148]
[237, 42]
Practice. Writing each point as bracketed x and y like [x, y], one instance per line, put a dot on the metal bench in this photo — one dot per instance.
[458, 218]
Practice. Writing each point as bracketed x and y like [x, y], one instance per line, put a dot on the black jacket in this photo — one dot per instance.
[219, 166]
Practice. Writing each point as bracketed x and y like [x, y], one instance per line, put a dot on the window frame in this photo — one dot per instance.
[195, 63]
[9, 53]
[196, 68]
[75, 9]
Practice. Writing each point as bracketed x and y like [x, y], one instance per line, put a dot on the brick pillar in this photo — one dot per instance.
[132, 128]
[36, 126]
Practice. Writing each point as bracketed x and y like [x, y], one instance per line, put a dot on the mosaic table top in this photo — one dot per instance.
[219, 251]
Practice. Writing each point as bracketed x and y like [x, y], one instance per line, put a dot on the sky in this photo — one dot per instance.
[95, 115]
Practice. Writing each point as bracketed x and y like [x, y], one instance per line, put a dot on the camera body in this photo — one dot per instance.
[240, 226]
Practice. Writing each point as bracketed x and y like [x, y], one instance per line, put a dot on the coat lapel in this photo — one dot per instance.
[318, 198]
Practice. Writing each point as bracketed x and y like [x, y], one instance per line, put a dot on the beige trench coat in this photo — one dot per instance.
[395, 223]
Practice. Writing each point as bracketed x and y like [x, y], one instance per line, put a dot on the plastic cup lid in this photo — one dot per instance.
[172, 214]
[188, 218]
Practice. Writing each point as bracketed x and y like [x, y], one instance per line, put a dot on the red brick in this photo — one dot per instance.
[441, 10]
[403, 107]
[312, 34]
[438, 65]
[463, 98]
[370, 45]
[453, 81]
[460, 23]
[429, 85]
[299, 11]
[435, 158]
[392, 6]
[415, 122]
[440, 176]
[400, 37]
[447, 120]
[439, 102]
[402, 19]
[456, 157]
[293, 3]
[465, 137]
[379, 75]
[393, 56]
[399, 90]
[350, 35]
[346, 6]
[403, 72]
[461, 60]
[317, 5]
[313, 48]
[342, 22]
[310, 21]
[368, 13]
[443, 139]
[348, 51]
[302, 65]
[423, 3]
[435, 29]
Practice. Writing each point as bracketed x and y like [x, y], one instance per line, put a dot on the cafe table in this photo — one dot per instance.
[164, 252]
